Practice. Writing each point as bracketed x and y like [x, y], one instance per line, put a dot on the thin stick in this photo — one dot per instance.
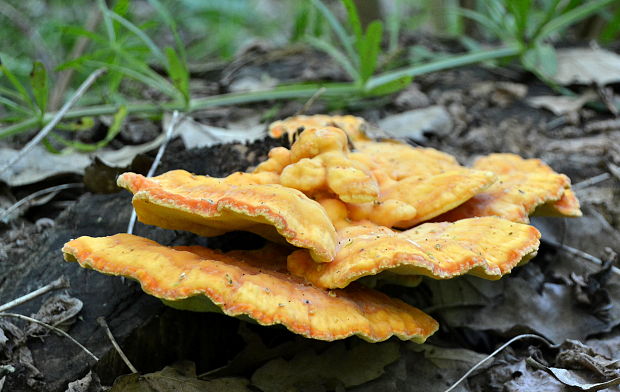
[311, 101]
[494, 353]
[61, 282]
[592, 181]
[103, 324]
[60, 331]
[4, 214]
[579, 253]
[160, 153]
[57, 117]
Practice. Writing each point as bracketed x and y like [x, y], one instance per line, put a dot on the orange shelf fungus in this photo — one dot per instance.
[487, 247]
[337, 197]
[251, 283]
[319, 162]
[523, 186]
[210, 206]
[353, 126]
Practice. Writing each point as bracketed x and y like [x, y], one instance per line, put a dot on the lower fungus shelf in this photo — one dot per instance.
[252, 284]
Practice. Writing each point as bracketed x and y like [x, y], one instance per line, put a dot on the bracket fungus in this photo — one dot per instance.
[210, 206]
[198, 278]
[487, 247]
[353, 126]
[523, 187]
[354, 208]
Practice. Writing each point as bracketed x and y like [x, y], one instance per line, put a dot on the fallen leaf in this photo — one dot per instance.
[39, 164]
[587, 66]
[562, 104]
[573, 378]
[515, 303]
[89, 383]
[511, 374]
[418, 124]
[195, 134]
[178, 377]
[58, 310]
[576, 355]
[426, 368]
[340, 366]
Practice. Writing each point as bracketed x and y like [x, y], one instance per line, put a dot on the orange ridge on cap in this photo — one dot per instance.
[249, 284]
[487, 247]
[523, 185]
[353, 126]
[209, 206]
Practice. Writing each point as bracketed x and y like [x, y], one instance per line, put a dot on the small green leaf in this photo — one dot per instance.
[40, 85]
[370, 50]
[113, 130]
[48, 145]
[354, 22]
[541, 60]
[23, 93]
[300, 25]
[178, 73]
[391, 87]
[83, 124]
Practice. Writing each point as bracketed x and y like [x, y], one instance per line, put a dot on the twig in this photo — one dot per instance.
[61, 282]
[592, 181]
[60, 331]
[160, 153]
[310, 101]
[494, 353]
[104, 325]
[615, 170]
[57, 117]
[7, 212]
[579, 253]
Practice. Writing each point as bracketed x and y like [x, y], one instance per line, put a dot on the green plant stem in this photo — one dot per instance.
[452, 62]
[278, 93]
[286, 92]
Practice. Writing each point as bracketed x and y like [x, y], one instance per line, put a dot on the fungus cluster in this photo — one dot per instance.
[335, 207]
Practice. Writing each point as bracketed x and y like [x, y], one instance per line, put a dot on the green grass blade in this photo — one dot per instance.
[335, 54]
[139, 76]
[339, 29]
[107, 21]
[451, 62]
[612, 28]
[354, 22]
[573, 16]
[140, 34]
[113, 130]
[369, 50]
[390, 87]
[79, 31]
[40, 85]
[483, 20]
[178, 73]
[10, 104]
[19, 87]
[166, 16]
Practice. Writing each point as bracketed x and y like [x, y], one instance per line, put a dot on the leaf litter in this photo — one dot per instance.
[539, 282]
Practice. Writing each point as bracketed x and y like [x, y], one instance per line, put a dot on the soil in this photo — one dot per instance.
[488, 116]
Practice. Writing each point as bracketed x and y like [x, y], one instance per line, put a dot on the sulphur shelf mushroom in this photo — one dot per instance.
[336, 208]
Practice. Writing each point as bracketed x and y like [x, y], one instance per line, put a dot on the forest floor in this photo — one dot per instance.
[466, 112]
